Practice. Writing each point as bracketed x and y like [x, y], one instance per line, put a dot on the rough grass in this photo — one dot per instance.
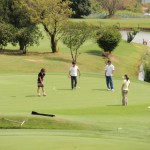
[126, 58]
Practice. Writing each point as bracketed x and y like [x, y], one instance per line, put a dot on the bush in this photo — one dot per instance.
[108, 38]
[147, 72]
[146, 63]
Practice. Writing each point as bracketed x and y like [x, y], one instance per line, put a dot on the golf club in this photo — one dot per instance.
[21, 123]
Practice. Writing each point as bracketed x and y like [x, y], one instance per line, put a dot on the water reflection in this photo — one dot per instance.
[139, 37]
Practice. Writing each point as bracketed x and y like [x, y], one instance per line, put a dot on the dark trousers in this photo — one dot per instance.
[109, 82]
[73, 81]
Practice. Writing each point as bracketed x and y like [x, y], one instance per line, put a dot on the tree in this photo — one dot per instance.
[95, 6]
[131, 5]
[52, 14]
[27, 36]
[131, 34]
[6, 34]
[81, 8]
[110, 5]
[108, 38]
[75, 34]
[13, 13]
[146, 64]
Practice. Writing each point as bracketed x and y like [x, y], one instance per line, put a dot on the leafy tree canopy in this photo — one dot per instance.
[75, 34]
[52, 14]
[24, 31]
[81, 8]
[108, 38]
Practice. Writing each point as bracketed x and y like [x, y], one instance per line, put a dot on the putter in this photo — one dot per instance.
[36, 113]
[21, 123]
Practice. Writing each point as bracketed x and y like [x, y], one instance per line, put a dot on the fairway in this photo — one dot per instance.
[87, 118]
[46, 44]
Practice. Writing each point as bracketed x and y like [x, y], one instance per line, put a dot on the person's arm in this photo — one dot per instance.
[105, 70]
[40, 79]
[79, 72]
[113, 70]
[42, 75]
[123, 84]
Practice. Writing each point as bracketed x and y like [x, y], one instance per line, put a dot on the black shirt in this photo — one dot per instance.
[40, 75]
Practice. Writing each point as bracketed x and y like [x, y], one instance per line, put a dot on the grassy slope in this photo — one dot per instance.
[126, 58]
[87, 118]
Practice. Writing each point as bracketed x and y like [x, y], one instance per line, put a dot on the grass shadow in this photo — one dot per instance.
[31, 96]
[59, 59]
[114, 105]
[99, 89]
[95, 52]
[64, 89]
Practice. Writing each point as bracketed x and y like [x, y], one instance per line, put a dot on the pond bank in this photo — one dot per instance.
[129, 29]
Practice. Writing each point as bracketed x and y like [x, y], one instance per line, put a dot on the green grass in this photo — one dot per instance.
[126, 58]
[127, 22]
[85, 118]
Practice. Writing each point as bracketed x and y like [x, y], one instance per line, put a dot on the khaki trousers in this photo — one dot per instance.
[124, 97]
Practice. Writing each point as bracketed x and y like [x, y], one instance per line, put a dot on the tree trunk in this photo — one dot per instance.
[53, 43]
[22, 47]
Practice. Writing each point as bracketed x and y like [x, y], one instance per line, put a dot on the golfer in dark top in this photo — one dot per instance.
[40, 81]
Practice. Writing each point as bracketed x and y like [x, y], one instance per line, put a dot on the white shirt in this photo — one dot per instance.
[109, 70]
[125, 85]
[74, 70]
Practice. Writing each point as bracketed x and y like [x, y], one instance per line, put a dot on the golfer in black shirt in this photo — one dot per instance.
[40, 82]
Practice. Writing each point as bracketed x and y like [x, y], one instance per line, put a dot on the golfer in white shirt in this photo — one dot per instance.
[109, 70]
[73, 73]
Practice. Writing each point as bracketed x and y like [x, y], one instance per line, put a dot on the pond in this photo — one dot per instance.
[139, 37]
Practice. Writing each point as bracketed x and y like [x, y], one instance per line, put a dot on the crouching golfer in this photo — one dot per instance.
[124, 89]
[73, 73]
[40, 82]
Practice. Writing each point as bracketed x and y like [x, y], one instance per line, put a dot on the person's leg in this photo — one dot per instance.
[72, 82]
[44, 94]
[126, 98]
[38, 91]
[75, 82]
[123, 98]
[107, 82]
[111, 83]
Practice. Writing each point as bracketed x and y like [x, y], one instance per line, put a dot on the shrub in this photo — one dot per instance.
[147, 72]
[146, 63]
[108, 38]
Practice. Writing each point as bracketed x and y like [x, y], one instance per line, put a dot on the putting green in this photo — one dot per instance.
[87, 118]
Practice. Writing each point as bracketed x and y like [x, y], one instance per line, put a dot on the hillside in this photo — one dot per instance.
[126, 58]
